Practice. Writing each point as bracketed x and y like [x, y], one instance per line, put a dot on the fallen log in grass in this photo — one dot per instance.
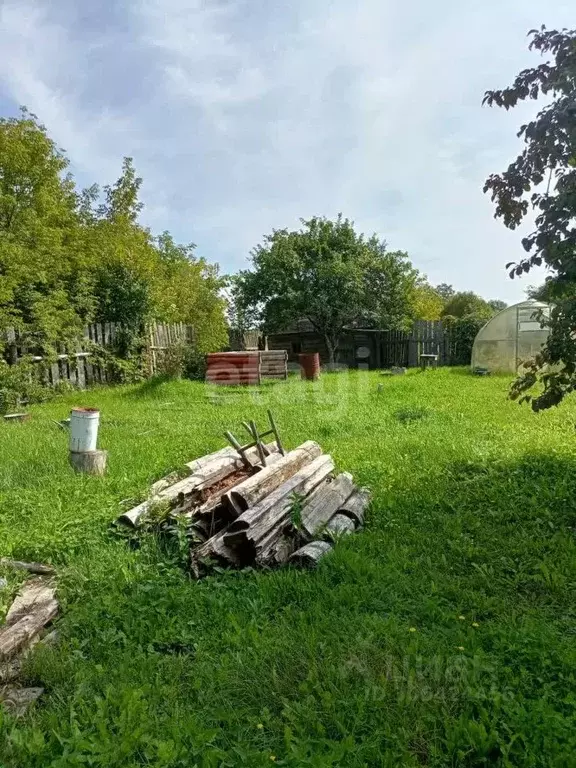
[38, 568]
[34, 607]
[355, 506]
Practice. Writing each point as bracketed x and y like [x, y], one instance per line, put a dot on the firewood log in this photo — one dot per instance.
[34, 607]
[209, 470]
[355, 506]
[255, 488]
[260, 527]
[215, 549]
[339, 525]
[324, 503]
[309, 555]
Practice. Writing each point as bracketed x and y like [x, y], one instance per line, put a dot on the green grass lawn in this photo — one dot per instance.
[444, 634]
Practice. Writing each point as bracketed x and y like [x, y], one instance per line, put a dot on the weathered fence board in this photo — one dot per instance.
[78, 368]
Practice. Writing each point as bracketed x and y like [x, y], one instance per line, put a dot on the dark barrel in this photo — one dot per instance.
[310, 366]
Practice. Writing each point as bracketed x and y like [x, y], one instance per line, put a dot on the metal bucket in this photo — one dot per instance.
[84, 423]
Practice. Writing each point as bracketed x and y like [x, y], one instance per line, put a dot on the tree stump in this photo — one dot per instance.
[89, 462]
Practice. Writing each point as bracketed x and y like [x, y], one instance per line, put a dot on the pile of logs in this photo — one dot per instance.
[258, 511]
[34, 607]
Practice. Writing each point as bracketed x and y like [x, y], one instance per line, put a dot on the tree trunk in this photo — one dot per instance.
[331, 348]
[89, 462]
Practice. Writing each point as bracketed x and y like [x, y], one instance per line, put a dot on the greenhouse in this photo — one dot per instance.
[510, 338]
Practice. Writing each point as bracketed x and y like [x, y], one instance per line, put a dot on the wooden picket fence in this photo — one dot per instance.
[80, 369]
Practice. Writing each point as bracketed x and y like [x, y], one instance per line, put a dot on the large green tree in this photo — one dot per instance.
[467, 303]
[44, 286]
[427, 303]
[331, 275]
[70, 257]
[542, 179]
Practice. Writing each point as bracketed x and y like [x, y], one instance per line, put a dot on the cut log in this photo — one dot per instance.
[89, 462]
[34, 607]
[215, 549]
[255, 488]
[208, 471]
[34, 594]
[355, 506]
[14, 417]
[257, 530]
[38, 568]
[12, 669]
[165, 482]
[309, 555]
[197, 464]
[324, 504]
[339, 525]
[17, 700]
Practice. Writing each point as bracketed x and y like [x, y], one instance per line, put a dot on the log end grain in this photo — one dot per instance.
[89, 462]
[310, 555]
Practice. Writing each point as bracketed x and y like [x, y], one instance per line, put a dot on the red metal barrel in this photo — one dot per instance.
[310, 366]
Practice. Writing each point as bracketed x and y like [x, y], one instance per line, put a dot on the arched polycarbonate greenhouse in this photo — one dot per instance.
[510, 338]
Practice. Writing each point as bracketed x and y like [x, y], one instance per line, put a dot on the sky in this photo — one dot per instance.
[244, 116]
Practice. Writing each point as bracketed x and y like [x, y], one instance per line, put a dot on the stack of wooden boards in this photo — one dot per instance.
[247, 368]
[242, 514]
[274, 364]
[34, 607]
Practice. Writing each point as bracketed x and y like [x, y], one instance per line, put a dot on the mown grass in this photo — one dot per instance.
[442, 635]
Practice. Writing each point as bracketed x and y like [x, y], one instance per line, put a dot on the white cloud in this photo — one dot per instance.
[246, 115]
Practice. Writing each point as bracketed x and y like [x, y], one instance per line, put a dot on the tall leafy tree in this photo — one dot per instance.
[331, 275]
[543, 179]
[44, 286]
[427, 302]
[497, 304]
[68, 257]
[467, 303]
[190, 290]
[445, 291]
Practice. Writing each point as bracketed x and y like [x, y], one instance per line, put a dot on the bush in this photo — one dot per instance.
[194, 366]
[20, 383]
[463, 331]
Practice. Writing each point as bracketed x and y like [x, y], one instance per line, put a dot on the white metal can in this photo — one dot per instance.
[84, 423]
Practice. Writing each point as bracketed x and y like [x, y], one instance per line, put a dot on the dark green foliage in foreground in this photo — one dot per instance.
[443, 635]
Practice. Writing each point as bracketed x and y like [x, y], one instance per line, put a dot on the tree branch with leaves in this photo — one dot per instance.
[543, 179]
